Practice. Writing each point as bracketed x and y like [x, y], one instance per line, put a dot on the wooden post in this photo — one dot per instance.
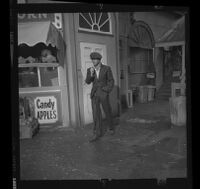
[143, 94]
[183, 64]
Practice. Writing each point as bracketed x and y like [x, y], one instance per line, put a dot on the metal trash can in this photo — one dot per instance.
[142, 94]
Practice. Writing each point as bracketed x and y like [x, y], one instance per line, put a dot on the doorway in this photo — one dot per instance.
[141, 63]
[172, 64]
[86, 49]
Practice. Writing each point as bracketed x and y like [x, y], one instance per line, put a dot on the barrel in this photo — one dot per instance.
[178, 110]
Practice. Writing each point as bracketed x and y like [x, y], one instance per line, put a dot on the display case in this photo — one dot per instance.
[41, 83]
[38, 75]
[41, 72]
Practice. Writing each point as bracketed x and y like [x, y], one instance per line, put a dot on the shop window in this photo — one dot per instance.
[38, 66]
[49, 76]
[95, 22]
[28, 77]
[36, 76]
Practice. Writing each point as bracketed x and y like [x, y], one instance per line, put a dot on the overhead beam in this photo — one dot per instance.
[168, 44]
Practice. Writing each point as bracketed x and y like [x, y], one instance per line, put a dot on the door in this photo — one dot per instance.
[86, 49]
[140, 62]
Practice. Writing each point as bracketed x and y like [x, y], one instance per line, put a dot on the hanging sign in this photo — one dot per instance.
[150, 75]
[34, 17]
[55, 18]
[46, 109]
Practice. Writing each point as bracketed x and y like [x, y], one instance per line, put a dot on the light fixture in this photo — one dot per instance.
[166, 48]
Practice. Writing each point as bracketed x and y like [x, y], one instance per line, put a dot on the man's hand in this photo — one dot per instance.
[90, 75]
[92, 71]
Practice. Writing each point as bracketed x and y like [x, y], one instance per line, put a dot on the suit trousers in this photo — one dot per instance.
[97, 114]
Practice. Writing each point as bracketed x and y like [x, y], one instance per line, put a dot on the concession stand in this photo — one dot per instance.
[41, 71]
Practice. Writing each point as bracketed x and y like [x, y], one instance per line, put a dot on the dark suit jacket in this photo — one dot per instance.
[103, 85]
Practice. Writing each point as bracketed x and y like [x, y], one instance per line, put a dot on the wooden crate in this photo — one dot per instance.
[28, 130]
[178, 110]
[177, 86]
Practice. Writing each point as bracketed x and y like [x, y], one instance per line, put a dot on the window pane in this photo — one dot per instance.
[28, 77]
[49, 76]
[86, 15]
[95, 27]
[96, 22]
[93, 17]
[97, 16]
[105, 27]
[83, 23]
[104, 17]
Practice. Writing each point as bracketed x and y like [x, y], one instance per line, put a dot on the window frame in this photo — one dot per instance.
[97, 31]
[134, 66]
[38, 66]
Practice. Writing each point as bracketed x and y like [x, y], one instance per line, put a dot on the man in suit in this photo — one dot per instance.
[102, 78]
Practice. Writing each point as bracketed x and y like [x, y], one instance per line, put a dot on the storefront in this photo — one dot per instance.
[56, 87]
[41, 67]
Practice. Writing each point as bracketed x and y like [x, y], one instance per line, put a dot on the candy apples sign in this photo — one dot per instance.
[46, 109]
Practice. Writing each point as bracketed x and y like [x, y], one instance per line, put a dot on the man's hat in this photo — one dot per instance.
[95, 55]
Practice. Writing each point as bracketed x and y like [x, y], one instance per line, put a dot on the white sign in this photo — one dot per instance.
[46, 109]
[55, 18]
[150, 75]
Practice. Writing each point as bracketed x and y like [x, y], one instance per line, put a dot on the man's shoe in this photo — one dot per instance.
[95, 138]
[112, 131]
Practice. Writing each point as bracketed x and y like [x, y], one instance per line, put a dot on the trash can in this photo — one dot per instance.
[142, 94]
[151, 92]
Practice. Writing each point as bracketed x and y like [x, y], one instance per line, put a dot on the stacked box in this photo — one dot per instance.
[29, 125]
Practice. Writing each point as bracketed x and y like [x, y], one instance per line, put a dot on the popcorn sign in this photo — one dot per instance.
[46, 109]
[55, 18]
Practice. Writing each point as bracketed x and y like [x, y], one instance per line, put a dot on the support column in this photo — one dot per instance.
[116, 15]
[69, 36]
[183, 64]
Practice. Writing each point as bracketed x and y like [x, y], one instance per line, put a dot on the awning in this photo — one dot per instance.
[175, 34]
[32, 33]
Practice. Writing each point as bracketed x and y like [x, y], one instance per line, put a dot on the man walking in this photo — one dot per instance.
[101, 77]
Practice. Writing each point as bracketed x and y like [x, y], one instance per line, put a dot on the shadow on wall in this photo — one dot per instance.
[123, 102]
[115, 101]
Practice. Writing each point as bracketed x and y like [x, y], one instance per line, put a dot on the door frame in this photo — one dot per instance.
[81, 81]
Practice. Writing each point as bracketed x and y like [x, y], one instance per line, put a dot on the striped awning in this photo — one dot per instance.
[32, 33]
